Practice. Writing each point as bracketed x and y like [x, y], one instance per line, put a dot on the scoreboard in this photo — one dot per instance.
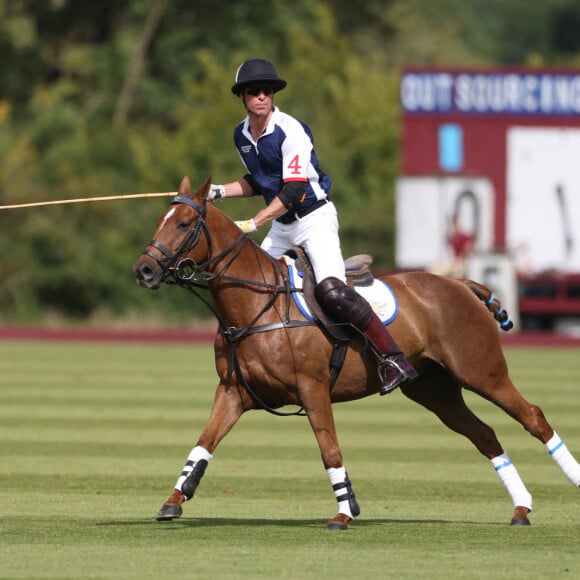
[499, 150]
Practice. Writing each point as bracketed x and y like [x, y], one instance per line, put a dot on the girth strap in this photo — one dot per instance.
[339, 351]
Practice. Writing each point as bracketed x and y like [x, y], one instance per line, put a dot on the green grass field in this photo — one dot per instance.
[93, 437]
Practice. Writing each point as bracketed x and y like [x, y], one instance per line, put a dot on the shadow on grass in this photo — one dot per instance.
[179, 524]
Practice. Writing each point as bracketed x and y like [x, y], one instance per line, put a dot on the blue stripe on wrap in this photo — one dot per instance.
[506, 464]
[552, 451]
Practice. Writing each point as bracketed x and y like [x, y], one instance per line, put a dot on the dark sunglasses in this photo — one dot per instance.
[257, 89]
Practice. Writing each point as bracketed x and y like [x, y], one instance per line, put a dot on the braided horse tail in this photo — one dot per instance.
[491, 303]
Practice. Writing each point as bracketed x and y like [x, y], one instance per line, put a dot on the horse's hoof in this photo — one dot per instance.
[169, 512]
[520, 517]
[520, 522]
[338, 522]
[334, 526]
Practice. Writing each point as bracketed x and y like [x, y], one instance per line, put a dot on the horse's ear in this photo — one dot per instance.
[203, 190]
[184, 186]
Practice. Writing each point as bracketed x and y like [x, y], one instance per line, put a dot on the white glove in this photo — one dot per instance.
[216, 192]
[247, 226]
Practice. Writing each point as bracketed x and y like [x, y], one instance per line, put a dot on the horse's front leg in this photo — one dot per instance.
[321, 418]
[226, 410]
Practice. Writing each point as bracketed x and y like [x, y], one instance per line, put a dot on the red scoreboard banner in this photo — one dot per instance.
[498, 150]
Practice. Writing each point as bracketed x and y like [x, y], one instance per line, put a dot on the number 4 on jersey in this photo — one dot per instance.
[295, 166]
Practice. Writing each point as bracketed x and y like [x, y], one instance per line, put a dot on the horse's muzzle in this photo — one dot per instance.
[147, 273]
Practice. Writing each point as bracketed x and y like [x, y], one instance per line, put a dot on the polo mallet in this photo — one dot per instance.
[87, 200]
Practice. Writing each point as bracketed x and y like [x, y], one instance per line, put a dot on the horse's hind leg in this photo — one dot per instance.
[485, 373]
[532, 418]
[443, 397]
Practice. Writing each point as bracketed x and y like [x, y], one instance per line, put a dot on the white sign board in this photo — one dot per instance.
[425, 208]
[543, 198]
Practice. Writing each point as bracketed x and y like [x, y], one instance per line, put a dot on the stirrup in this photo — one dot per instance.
[402, 375]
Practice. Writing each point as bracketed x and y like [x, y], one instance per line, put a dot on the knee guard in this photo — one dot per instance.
[342, 304]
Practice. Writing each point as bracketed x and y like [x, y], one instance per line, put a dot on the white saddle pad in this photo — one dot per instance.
[379, 295]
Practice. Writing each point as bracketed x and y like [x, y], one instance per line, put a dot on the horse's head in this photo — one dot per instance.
[178, 237]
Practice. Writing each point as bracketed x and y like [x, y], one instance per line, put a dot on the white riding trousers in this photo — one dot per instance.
[317, 233]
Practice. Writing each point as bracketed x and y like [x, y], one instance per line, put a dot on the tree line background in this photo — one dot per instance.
[127, 96]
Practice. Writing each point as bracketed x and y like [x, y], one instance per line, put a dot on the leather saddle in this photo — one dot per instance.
[358, 273]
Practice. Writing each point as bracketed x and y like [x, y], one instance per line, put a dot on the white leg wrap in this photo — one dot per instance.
[564, 459]
[510, 477]
[337, 476]
[195, 455]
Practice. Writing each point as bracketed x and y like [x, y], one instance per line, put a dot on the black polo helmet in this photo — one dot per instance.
[257, 71]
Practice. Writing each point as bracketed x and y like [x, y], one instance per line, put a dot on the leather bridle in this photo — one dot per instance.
[170, 260]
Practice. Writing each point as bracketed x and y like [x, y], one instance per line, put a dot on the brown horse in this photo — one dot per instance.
[268, 355]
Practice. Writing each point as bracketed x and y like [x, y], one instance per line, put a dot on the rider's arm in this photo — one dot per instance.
[273, 210]
[239, 188]
[290, 197]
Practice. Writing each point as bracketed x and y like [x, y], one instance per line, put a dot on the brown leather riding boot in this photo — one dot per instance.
[394, 368]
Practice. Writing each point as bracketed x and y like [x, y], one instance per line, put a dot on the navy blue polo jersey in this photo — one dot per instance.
[283, 153]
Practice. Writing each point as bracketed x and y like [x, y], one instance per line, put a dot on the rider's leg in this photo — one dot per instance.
[342, 304]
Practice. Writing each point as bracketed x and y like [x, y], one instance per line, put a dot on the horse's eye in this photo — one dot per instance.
[183, 226]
